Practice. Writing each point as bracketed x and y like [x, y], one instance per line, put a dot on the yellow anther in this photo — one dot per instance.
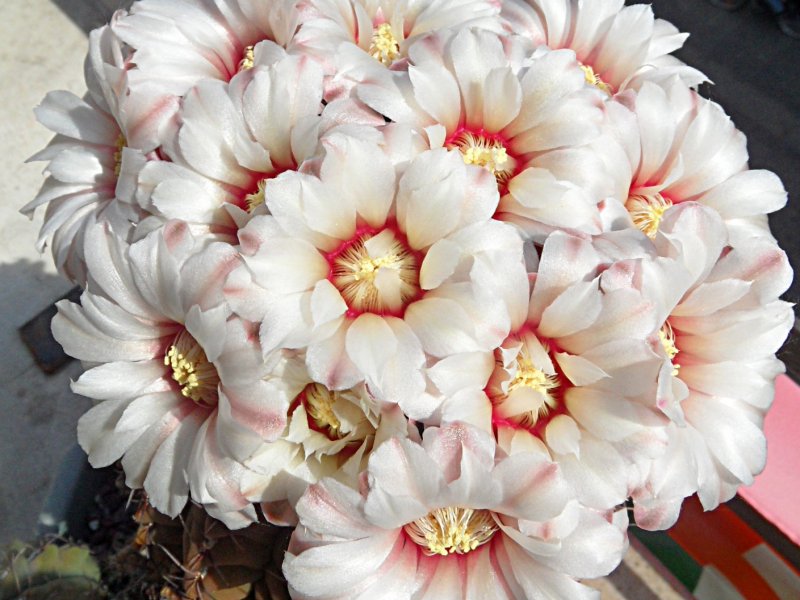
[667, 337]
[120, 144]
[248, 59]
[319, 402]
[384, 47]
[647, 211]
[594, 79]
[452, 530]
[484, 152]
[197, 378]
[257, 198]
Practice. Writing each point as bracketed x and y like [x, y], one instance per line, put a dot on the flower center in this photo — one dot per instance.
[667, 337]
[197, 378]
[646, 211]
[452, 530]
[257, 198]
[484, 151]
[384, 47]
[520, 388]
[594, 79]
[248, 59]
[119, 145]
[319, 402]
[376, 273]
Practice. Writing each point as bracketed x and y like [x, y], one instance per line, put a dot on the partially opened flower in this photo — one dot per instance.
[580, 372]
[178, 43]
[178, 379]
[361, 40]
[682, 147]
[100, 145]
[721, 335]
[371, 269]
[329, 433]
[450, 518]
[523, 115]
[618, 46]
[233, 138]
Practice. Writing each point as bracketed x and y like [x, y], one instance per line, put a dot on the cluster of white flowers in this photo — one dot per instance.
[443, 283]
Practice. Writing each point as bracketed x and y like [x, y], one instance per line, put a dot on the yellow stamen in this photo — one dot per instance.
[197, 378]
[319, 402]
[248, 60]
[120, 144]
[257, 198]
[485, 152]
[667, 337]
[452, 530]
[534, 378]
[384, 47]
[647, 211]
[594, 79]
[354, 272]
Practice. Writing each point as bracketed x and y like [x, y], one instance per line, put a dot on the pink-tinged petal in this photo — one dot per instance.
[442, 326]
[579, 370]
[608, 416]
[599, 476]
[440, 579]
[120, 379]
[533, 488]
[563, 435]
[747, 194]
[344, 569]
[436, 91]
[547, 82]
[370, 343]
[474, 53]
[80, 339]
[657, 133]
[208, 328]
[96, 433]
[439, 264]
[537, 203]
[166, 484]
[428, 198]
[565, 260]
[286, 265]
[594, 549]
[699, 234]
[362, 171]
[106, 260]
[147, 410]
[448, 445]
[737, 337]
[203, 275]
[460, 371]
[333, 509]
[711, 297]
[575, 309]
[750, 383]
[327, 303]
[401, 380]
[259, 408]
[329, 363]
[502, 99]
[733, 437]
[138, 457]
[63, 112]
[404, 477]
[712, 151]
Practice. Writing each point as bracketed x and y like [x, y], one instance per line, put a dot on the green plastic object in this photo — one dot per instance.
[49, 572]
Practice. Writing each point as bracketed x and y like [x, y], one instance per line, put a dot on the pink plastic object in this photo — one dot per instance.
[775, 492]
